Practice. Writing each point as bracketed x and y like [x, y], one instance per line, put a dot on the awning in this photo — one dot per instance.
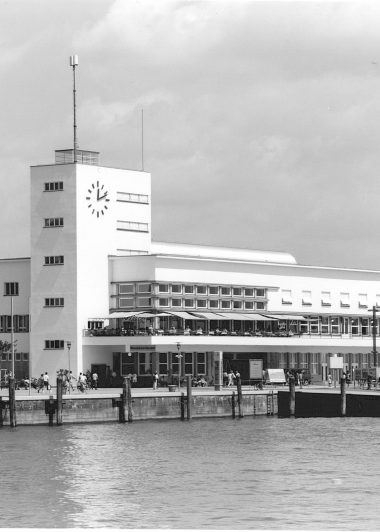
[185, 315]
[151, 315]
[235, 316]
[209, 315]
[259, 317]
[122, 315]
[286, 317]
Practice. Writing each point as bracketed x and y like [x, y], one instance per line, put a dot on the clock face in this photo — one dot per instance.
[97, 199]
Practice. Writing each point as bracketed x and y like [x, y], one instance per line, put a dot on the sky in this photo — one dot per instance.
[261, 119]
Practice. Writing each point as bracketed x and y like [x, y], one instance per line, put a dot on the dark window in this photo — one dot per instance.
[11, 289]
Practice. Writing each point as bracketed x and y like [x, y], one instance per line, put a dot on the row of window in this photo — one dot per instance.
[53, 222]
[132, 198]
[326, 301]
[20, 323]
[11, 289]
[7, 357]
[53, 186]
[54, 344]
[54, 259]
[190, 289]
[191, 363]
[54, 302]
[338, 325]
[225, 304]
[123, 225]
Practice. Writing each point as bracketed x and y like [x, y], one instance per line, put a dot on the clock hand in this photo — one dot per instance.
[101, 197]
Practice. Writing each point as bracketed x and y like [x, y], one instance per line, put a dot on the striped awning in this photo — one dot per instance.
[292, 317]
[184, 315]
[209, 315]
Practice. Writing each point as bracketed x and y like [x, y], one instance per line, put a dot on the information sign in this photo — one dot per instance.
[256, 369]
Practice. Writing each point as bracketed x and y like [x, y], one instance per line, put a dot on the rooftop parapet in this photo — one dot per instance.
[83, 157]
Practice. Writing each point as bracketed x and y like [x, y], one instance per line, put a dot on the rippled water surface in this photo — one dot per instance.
[217, 473]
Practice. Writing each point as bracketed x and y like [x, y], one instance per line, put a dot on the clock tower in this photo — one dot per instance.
[82, 214]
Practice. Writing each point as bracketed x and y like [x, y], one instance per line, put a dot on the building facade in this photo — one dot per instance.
[98, 293]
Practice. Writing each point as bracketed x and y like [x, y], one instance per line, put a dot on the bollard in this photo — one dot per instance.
[343, 396]
[59, 399]
[51, 410]
[129, 400]
[292, 395]
[233, 405]
[189, 397]
[239, 396]
[182, 401]
[12, 402]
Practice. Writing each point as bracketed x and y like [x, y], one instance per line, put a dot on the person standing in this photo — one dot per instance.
[155, 381]
[329, 380]
[230, 378]
[95, 378]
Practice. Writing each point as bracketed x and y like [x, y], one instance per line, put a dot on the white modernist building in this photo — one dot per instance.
[98, 293]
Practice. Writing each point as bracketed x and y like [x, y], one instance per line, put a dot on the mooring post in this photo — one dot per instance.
[182, 402]
[239, 396]
[50, 409]
[129, 399]
[59, 399]
[123, 402]
[189, 397]
[233, 405]
[12, 402]
[343, 396]
[292, 395]
[1, 412]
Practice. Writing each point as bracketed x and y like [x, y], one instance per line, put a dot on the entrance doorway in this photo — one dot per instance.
[101, 370]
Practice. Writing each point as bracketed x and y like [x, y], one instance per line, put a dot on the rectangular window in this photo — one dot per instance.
[314, 325]
[225, 290]
[54, 344]
[201, 303]
[11, 289]
[237, 305]
[306, 297]
[163, 302]
[138, 227]
[213, 303]
[126, 288]
[248, 305]
[188, 363]
[260, 305]
[176, 302]
[18, 357]
[54, 259]
[54, 302]
[237, 291]
[175, 365]
[355, 326]
[365, 326]
[213, 290]
[344, 299]
[324, 325]
[189, 303]
[53, 222]
[189, 289]
[260, 292]
[326, 299]
[176, 289]
[127, 364]
[249, 292]
[163, 364]
[144, 288]
[202, 290]
[145, 363]
[144, 301]
[25, 357]
[163, 288]
[334, 325]
[363, 301]
[22, 323]
[225, 304]
[201, 363]
[131, 197]
[126, 302]
[53, 186]
[286, 297]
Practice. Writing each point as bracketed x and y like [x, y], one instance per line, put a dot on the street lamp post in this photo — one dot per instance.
[68, 343]
[179, 356]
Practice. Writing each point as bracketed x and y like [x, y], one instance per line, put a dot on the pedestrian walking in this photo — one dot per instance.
[94, 379]
[40, 383]
[46, 381]
[329, 380]
[155, 381]
[230, 378]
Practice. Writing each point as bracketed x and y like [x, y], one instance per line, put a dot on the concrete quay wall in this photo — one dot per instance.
[102, 408]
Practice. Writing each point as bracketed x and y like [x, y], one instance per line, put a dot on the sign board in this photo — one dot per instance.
[256, 369]
[336, 362]
[275, 376]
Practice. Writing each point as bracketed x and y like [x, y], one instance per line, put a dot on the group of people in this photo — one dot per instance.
[230, 378]
[83, 382]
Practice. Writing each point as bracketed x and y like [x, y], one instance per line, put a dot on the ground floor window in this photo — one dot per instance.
[127, 363]
[201, 363]
[188, 363]
[163, 363]
[145, 363]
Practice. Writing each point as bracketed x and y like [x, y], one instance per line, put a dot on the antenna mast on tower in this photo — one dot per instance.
[74, 63]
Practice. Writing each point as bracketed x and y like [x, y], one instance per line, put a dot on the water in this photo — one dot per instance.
[254, 473]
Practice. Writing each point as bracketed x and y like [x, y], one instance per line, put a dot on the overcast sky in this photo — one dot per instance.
[261, 119]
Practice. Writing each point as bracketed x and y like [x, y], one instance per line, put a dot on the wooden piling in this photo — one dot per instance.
[122, 402]
[51, 409]
[2, 404]
[182, 402]
[12, 402]
[189, 397]
[233, 403]
[292, 396]
[129, 400]
[343, 396]
[239, 397]
[59, 399]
